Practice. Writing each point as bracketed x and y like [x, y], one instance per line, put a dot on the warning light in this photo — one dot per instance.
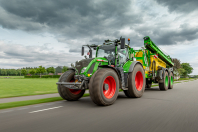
[128, 39]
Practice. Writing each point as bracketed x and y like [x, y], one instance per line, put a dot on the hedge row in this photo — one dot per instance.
[43, 76]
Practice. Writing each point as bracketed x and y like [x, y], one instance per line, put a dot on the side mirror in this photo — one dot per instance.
[90, 53]
[122, 46]
[82, 51]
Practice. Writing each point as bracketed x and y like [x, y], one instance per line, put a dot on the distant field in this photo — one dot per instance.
[13, 87]
[11, 77]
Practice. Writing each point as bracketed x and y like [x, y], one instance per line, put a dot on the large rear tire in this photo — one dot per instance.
[165, 82]
[66, 93]
[170, 86]
[136, 82]
[104, 87]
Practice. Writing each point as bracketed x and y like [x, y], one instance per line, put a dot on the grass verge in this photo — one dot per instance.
[177, 82]
[31, 102]
[26, 87]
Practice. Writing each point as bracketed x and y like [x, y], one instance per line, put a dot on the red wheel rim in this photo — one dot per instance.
[74, 91]
[110, 83]
[139, 81]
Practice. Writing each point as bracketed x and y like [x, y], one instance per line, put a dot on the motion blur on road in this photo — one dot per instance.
[173, 110]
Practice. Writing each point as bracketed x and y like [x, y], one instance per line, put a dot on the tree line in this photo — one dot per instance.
[30, 70]
[181, 69]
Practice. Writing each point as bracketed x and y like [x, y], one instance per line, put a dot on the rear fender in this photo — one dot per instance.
[133, 65]
[119, 76]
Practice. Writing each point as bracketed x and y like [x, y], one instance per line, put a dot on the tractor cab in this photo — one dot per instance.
[116, 52]
[113, 52]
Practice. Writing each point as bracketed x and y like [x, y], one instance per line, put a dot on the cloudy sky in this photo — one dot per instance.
[51, 32]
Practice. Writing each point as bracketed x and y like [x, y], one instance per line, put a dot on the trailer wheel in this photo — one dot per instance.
[66, 93]
[170, 86]
[148, 83]
[165, 82]
[137, 82]
[104, 87]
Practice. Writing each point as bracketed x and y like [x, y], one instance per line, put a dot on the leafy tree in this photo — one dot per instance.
[32, 71]
[64, 69]
[12, 71]
[40, 70]
[51, 70]
[19, 72]
[8, 71]
[24, 72]
[181, 72]
[3, 72]
[177, 64]
[188, 69]
[16, 72]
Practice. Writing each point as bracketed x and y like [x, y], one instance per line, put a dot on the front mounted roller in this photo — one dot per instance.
[66, 93]
[136, 82]
[104, 87]
[163, 84]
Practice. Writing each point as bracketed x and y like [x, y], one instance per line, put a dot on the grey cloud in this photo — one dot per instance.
[75, 50]
[180, 6]
[163, 36]
[71, 18]
[92, 21]
[18, 55]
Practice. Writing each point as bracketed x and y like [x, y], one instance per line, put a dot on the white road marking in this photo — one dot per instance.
[46, 109]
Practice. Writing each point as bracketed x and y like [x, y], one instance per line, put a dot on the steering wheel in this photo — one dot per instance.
[111, 58]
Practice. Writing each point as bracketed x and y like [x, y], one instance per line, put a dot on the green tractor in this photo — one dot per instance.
[114, 67]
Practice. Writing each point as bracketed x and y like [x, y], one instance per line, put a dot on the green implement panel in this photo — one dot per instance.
[148, 43]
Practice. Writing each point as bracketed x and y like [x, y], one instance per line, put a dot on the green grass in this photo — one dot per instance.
[31, 102]
[184, 79]
[25, 87]
[177, 82]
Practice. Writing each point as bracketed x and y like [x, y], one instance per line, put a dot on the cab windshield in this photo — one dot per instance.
[108, 51]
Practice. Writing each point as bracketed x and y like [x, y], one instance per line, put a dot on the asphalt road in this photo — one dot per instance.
[157, 111]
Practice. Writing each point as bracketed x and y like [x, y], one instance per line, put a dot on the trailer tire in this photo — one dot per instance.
[165, 82]
[136, 82]
[170, 86]
[148, 83]
[66, 93]
[104, 87]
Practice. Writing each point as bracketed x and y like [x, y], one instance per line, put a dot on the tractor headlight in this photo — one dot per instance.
[83, 70]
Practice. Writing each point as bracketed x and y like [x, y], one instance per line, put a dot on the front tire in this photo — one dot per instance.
[136, 82]
[66, 93]
[104, 87]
